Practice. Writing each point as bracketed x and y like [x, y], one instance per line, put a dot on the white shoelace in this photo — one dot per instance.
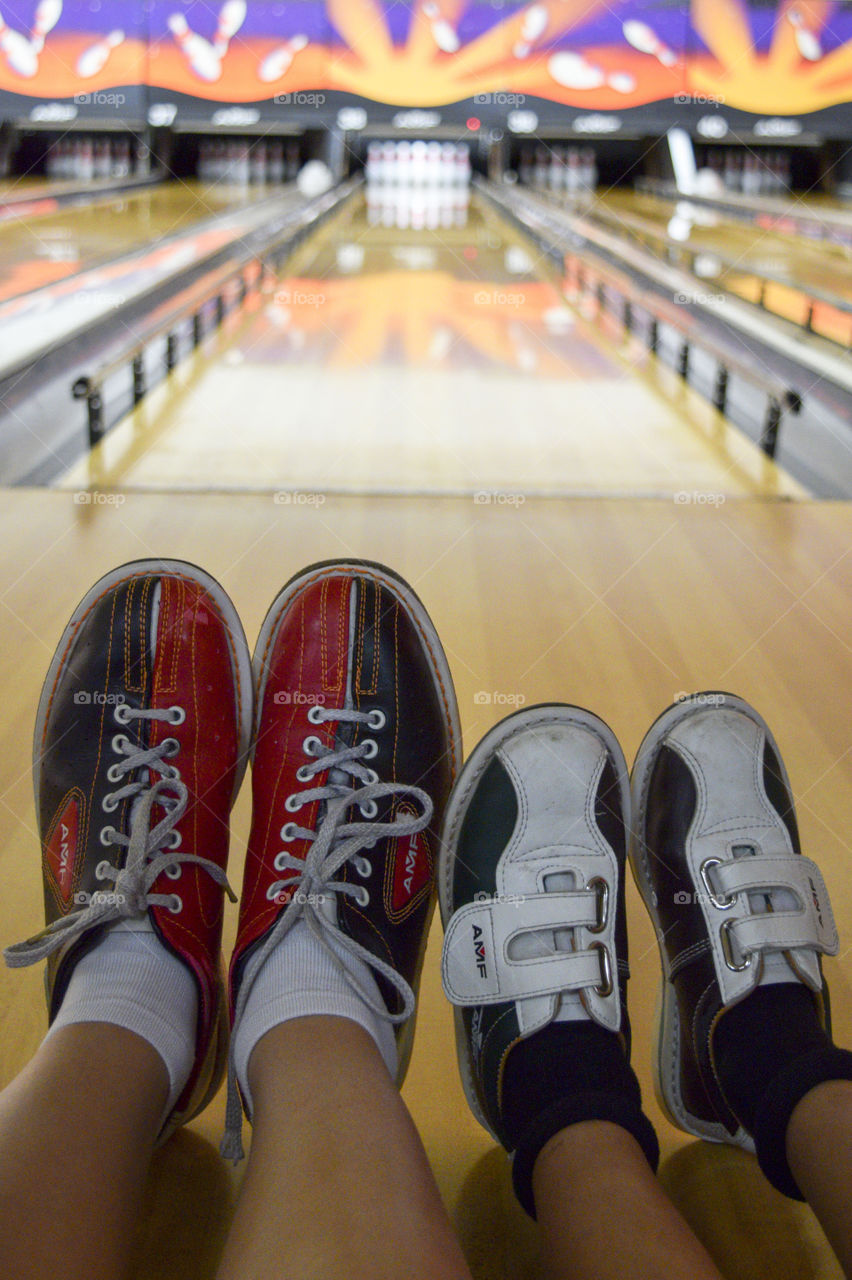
[148, 855]
[313, 884]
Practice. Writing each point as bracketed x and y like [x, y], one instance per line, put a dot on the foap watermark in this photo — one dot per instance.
[313, 100]
[300, 298]
[497, 698]
[700, 99]
[304, 899]
[697, 299]
[698, 498]
[97, 498]
[100, 99]
[297, 698]
[97, 698]
[509, 899]
[498, 498]
[499, 99]
[297, 498]
[100, 898]
[498, 298]
[701, 699]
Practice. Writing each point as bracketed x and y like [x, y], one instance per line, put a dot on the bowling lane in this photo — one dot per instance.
[50, 248]
[403, 360]
[800, 262]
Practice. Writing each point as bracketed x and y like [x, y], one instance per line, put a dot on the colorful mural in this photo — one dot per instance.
[790, 58]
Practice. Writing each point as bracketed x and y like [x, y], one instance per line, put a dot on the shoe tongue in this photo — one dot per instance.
[544, 942]
[775, 966]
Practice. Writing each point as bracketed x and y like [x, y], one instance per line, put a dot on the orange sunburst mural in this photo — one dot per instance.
[605, 55]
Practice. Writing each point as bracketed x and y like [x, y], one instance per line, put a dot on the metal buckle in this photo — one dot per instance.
[721, 901]
[601, 890]
[727, 951]
[605, 988]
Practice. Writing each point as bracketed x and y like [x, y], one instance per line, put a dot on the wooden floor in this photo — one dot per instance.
[615, 605]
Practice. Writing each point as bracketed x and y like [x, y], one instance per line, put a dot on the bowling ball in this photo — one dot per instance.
[314, 178]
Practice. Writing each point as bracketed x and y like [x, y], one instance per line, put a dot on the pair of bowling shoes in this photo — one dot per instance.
[152, 708]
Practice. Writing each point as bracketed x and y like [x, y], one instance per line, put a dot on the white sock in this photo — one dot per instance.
[130, 979]
[299, 979]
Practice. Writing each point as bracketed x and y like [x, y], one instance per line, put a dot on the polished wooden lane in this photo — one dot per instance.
[616, 605]
[391, 361]
[39, 251]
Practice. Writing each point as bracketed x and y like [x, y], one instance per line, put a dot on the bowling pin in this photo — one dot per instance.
[444, 35]
[47, 15]
[807, 41]
[533, 27]
[277, 63]
[94, 59]
[646, 40]
[621, 81]
[573, 71]
[199, 53]
[20, 55]
[232, 15]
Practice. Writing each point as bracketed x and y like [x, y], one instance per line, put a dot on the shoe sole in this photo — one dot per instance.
[441, 671]
[241, 668]
[665, 1059]
[475, 766]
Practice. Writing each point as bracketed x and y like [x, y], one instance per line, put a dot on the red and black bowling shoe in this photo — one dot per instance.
[357, 746]
[141, 741]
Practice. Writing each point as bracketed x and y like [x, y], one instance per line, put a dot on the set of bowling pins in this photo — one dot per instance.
[241, 163]
[418, 184]
[563, 171]
[205, 57]
[85, 158]
[22, 52]
[752, 173]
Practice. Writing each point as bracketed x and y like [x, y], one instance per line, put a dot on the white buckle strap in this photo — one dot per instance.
[476, 966]
[741, 934]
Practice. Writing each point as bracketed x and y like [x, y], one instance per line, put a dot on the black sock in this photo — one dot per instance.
[565, 1073]
[769, 1051]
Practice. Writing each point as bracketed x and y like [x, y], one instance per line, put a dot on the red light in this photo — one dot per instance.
[473, 124]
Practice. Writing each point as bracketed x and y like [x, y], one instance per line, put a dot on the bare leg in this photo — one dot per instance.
[819, 1152]
[77, 1129]
[338, 1184]
[604, 1216]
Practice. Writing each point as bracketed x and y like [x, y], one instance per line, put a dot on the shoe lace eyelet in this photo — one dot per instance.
[121, 713]
[174, 839]
[177, 715]
[293, 804]
[170, 746]
[175, 904]
[377, 718]
[278, 861]
[274, 889]
[109, 803]
[115, 772]
[106, 838]
[174, 871]
[369, 810]
[103, 866]
[304, 773]
[370, 748]
[372, 776]
[316, 714]
[312, 746]
[288, 832]
[363, 866]
[363, 896]
[120, 743]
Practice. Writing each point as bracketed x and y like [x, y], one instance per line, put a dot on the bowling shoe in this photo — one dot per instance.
[531, 885]
[357, 745]
[141, 741]
[739, 913]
